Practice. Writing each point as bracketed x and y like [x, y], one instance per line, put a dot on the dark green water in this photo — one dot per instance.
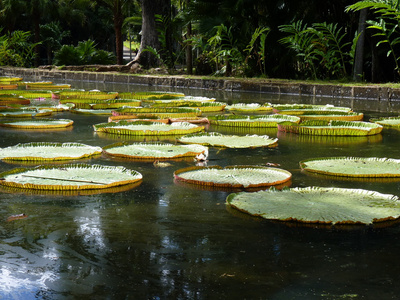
[161, 240]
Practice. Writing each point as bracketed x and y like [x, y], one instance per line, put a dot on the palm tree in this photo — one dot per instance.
[117, 7]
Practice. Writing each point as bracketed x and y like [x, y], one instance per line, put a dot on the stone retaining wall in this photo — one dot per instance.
[372, 92]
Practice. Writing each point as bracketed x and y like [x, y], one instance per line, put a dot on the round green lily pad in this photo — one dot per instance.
[249, 107]
[332, 128]
[148, 128]
[155, 151]
[38, 123]
[229, 141]
[262, 121]
[233, 176]
[353, 166]
[25, 113]
[47, 151]
[387, 122]
[69, 177]
[319, 205]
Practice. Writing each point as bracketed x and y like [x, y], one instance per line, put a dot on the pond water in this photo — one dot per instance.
[162, 240]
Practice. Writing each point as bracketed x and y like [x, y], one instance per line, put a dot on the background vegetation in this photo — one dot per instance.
[295, 39]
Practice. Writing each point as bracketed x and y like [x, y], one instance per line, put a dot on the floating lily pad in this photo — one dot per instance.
[203, 106]
[25, 113]
[9, 79]
[80, 94]
[250, 107]
[387, 122]
[162, 111]
[150, 96]
[353, 166]
[252, 121]
[8, 86]
[229, 141]
[302, 109]
[80, 192]
[38, 123]
[319, 205]
[148, 128]
[156, 151]
[179, 99]
[104, 112]
[46, 151]
[333, 128]
[46, 86]
[329, 115]
[233, 176]
[69, 177]
[10, 100]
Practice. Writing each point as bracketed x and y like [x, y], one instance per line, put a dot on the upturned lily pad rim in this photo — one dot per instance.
[332, 128]
[128, 128]
[382, 121]
[189, 154]
[178, 176]
[88, 184]
[30, 156]
[364, 160]
[301, 194]
[273, 143]
[30, 124]
[69, 193]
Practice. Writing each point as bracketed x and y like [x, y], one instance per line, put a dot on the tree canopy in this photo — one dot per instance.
[295, 39]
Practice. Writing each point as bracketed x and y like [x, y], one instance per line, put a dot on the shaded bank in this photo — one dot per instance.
[274, 86]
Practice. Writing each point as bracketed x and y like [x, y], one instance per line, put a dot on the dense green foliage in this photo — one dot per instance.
[295, 39]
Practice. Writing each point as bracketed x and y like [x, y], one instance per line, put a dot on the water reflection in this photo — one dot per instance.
[161, 240]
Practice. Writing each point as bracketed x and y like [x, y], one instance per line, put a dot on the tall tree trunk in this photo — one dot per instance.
[358, 72]
[189, 49]
[119, 44]
[36, 29]
[150, 8]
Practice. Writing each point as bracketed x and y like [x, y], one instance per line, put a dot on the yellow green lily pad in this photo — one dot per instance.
[46, 151]
[233, 176]
[319, 205]
[353, 166]
[69, 177]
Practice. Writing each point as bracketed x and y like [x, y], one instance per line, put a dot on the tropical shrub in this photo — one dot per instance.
[83, 54]
[16, 49]
[321, 52]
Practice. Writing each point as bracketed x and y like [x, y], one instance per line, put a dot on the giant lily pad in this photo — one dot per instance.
[149, 96]
[302, 109]
[148, 128]
[48, 151]
[25, 113]
[334, 128]
[80, 94]
[202, 106]
[155, 151]
[353, 166]
[387, 122]
[252, 121]
[249, 107]
[100, 112]
[13, 100]
[38, 123]
[69, 177]
[180, 99]
[233, 176]
[164, 111]
[332, 115]
[229, 141]
[319, 205]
